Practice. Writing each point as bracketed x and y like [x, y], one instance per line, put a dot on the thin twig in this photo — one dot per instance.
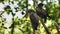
[47, 30]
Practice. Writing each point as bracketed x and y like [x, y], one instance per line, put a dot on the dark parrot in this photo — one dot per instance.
[41, 12]
[34, 19]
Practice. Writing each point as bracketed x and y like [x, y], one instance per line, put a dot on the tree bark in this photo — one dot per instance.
[57, 28]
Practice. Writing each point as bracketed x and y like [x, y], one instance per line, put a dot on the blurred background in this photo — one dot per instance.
[13, 19]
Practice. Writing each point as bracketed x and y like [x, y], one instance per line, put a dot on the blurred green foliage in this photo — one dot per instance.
[23, 25]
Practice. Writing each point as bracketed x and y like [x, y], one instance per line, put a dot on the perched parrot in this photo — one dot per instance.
[34, 19]
[41, 12]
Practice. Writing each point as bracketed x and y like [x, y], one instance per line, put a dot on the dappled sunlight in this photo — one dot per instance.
[19, 14]
[49, 22]
[2, 7]
[15, 19]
